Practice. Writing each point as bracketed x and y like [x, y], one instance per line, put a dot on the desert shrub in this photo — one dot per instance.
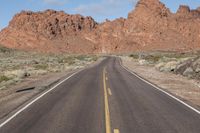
[135, 56]
[4, 49]
[94, 58]
[3, 78]
[69, 60]
[61, 60]
[15, 67]
[41, 66]
[177, 55]
[81, 57]
[152, 58]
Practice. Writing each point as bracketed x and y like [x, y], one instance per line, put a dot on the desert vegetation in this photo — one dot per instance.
[186, 64]
[16, 65]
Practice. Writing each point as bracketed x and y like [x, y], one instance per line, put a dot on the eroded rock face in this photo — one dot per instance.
[48, 31]
[144, 8]
[150, 26]
[184, 10]
[51, 23]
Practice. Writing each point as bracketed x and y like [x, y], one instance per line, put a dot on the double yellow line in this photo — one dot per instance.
[107, 111]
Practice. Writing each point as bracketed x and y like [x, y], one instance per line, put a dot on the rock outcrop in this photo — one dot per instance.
[52, 24]
[183, 10]
[48, 31]
[150, 26]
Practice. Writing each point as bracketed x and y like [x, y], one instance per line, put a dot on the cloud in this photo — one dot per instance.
[104, 7]
[55, 2]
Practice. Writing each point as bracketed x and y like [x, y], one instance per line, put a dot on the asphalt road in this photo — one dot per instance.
[105, 99]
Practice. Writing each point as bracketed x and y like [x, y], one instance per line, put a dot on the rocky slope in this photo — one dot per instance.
[150, 26]
[48, 31]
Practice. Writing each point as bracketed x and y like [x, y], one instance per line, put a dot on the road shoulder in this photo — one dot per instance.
[185, 89]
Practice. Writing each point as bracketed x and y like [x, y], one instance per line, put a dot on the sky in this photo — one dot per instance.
[98, 9]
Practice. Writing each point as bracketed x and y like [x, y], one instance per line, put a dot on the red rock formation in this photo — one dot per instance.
[51, 23]
[183, 10]
[48, 31]
[150, 26]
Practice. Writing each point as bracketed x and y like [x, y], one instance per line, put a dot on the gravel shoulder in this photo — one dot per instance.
[178, 85]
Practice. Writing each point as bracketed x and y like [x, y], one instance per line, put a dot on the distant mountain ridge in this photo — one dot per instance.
[150, 26]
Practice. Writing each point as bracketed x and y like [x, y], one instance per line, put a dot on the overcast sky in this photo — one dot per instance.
[98, 9]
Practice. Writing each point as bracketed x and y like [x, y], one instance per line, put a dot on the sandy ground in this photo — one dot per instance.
[182, 87]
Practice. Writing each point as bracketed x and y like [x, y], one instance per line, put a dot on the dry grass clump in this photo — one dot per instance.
[3, 78]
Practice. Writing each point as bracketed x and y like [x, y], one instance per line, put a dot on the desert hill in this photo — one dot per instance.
[48, 31]
[150, 26]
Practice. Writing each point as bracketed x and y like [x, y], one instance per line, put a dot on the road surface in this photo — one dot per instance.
[105, 98]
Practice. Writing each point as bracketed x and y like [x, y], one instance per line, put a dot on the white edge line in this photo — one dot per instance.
[36, 99]
[180, 101]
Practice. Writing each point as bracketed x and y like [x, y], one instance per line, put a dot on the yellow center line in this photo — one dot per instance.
[116, 131]
[107, 112]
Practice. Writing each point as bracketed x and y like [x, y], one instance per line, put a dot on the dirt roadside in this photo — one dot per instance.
[16, 96]
[186, 89]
